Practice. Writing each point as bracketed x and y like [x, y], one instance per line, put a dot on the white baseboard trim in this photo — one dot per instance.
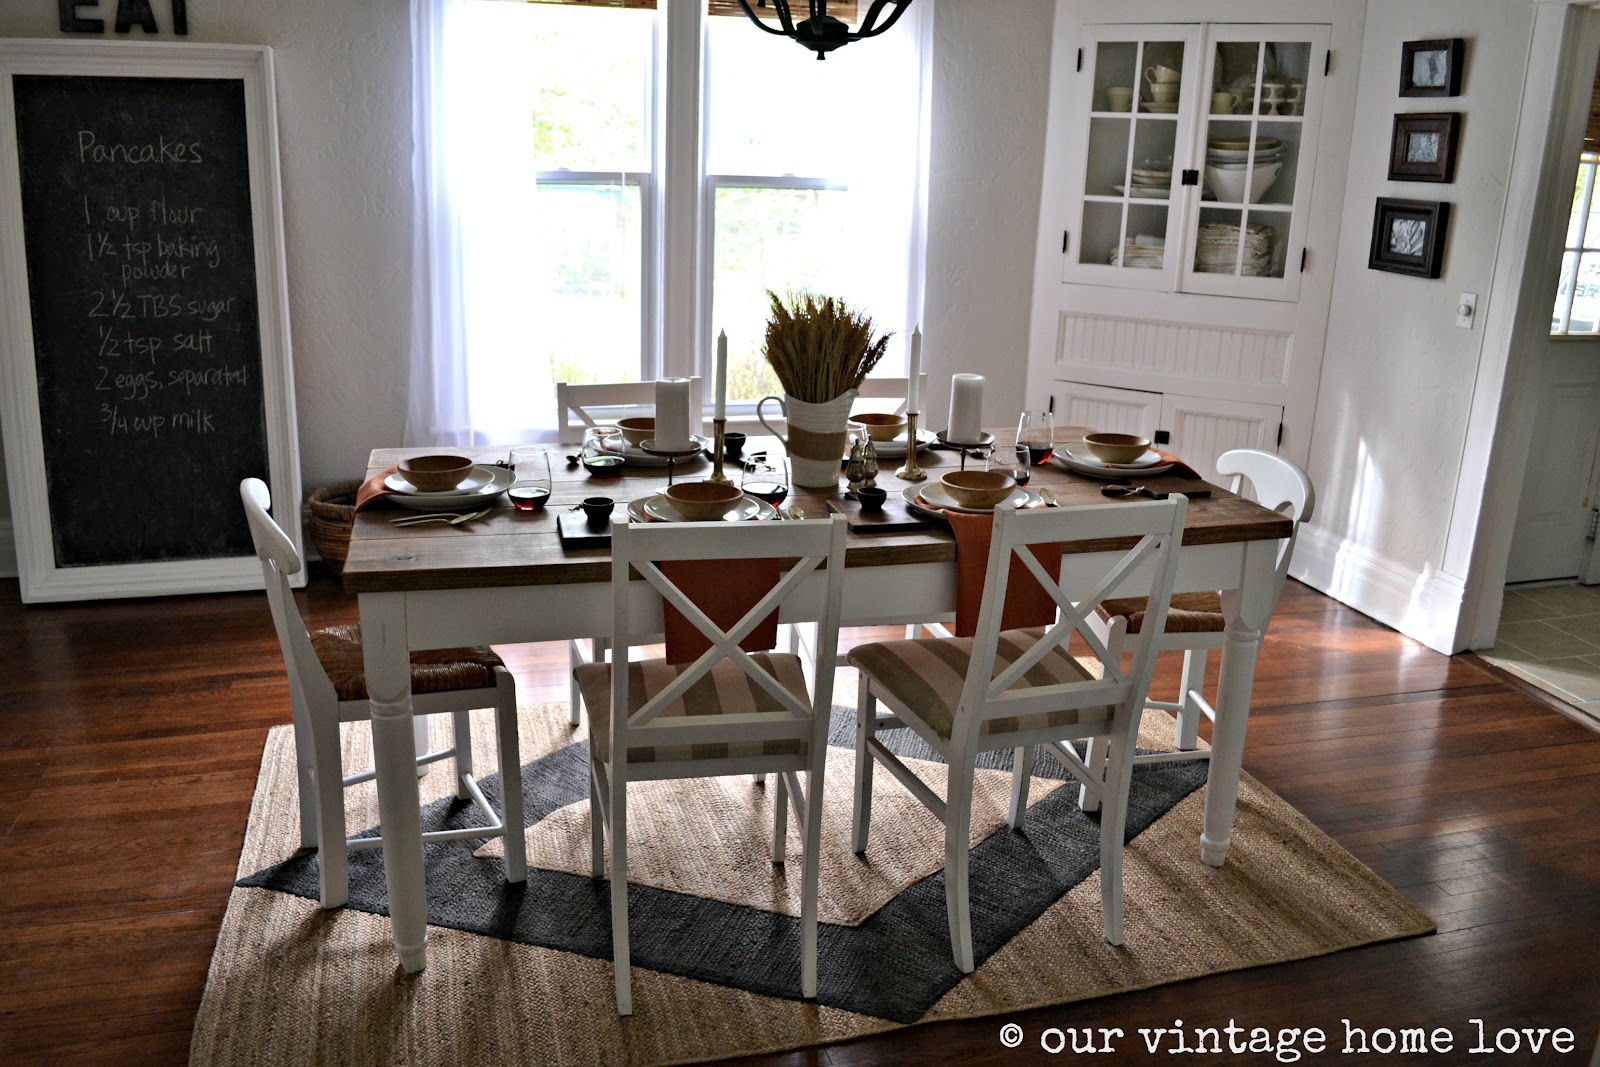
[1424, 605]
[8, 549]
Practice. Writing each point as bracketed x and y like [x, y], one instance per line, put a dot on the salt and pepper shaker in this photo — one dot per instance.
[869, 464]
[855, 470]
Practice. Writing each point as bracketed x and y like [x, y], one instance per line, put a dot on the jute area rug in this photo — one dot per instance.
[522, 975]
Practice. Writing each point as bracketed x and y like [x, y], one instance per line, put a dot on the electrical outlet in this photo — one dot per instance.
[1466, 310]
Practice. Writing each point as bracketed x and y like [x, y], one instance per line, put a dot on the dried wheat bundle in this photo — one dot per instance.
[819, 347]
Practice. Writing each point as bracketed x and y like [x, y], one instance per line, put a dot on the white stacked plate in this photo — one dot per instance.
[896, 449]
[933, 495]
[1217, 249]
[635, 456]
[1078, 458]
[658, 508]
[480, 486]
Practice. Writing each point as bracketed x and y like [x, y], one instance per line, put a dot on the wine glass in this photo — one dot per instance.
[1013, 460]
[603, 448]
[530, 477]
[766, 479]
[1037, 431]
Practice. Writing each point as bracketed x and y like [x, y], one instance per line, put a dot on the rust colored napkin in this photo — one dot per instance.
[1027, 602]
[725, 590]
[374, 489]
[1180, 469]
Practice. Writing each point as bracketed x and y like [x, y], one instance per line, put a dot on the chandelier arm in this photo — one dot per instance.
[782, 7]
[868, 29]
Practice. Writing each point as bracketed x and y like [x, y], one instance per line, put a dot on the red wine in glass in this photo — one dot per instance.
[528, 497]
[772, 492]
[1038, 454]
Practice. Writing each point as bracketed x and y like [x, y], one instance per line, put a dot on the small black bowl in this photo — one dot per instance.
[598, 510]
[871, 497]
[733, 444]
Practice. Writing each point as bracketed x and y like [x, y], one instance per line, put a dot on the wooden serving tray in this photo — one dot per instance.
[894, 518]
[576, 532]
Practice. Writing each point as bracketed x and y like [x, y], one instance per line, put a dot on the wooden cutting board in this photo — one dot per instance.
[894, 518]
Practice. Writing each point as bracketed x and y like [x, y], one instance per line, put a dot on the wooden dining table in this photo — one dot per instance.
[508, 578]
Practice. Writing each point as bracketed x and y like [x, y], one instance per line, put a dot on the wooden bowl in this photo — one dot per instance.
[978, 489]
[703, 501]
[1116, 447]
[880, 427]
[436, 474]
[638, 430]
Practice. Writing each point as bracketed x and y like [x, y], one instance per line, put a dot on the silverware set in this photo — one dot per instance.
[453, 518]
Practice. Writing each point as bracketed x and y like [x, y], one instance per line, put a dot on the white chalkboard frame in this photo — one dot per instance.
[41, 579]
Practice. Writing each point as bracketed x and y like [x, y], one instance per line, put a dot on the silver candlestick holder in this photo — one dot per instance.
[911, 471]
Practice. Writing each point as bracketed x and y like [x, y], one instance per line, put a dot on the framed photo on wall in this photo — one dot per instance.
[1431, 68]
[1408, 236]
[1424, 147]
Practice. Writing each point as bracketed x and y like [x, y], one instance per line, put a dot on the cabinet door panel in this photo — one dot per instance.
[1098, 408]
[1203, 428]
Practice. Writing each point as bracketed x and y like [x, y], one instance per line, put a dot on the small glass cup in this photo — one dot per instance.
[530, 477]
[1013, 460]
[766, 479]
[603, 448]
[1037, 431]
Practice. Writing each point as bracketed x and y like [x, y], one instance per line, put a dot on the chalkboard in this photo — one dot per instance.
[150, 277]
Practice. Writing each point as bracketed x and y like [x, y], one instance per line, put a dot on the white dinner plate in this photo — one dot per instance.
[896, 449]
[635, 456]
[933, 494]
[1078, 458]
[658, 508]
[489, 483]
[1083, 454]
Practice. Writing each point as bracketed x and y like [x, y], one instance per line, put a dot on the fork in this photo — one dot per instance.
[442, 516]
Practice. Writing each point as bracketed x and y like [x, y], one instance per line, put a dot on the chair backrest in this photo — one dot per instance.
[810, 589]
[574, 403]
[1148, 569]
[279, 561]
[1278, 484]
[889, 389]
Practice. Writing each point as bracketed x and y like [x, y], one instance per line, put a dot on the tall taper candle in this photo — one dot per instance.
[913, 392]
[722, 376]
[966, 409]
[672, 414]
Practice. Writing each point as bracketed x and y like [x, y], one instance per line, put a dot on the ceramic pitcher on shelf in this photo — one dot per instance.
[816, 437]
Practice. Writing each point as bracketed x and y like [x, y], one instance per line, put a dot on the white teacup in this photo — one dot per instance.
[1119, 97]
[1158, 74]
[1165, 92]
[1222, 103]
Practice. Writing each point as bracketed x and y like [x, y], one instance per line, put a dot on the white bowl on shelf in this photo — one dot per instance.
[1242, 186]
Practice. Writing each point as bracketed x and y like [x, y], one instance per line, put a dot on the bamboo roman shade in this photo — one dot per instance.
[843, 10]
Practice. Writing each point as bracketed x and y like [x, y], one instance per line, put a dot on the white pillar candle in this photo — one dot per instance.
[672, 414]
[722, 375]
[913, 391]
[966, 408]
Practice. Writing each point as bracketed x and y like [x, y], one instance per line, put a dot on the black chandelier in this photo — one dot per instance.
[822, 33]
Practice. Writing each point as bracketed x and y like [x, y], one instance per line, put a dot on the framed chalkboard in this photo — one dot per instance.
[143, 313]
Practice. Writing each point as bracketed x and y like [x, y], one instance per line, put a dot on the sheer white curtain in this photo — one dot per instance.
[471, 243]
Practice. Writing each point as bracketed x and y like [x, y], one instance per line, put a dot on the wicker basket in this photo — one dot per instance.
[333, 513]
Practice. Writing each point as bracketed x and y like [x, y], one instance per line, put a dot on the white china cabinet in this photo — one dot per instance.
[1191, 196]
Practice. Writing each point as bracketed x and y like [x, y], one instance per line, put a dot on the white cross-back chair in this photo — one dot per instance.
[1195, 623]
[875, 388]
[327, 686]
[1019, 689]
[579, 406]
[727, 713]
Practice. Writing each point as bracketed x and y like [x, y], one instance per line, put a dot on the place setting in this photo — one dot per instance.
[446, 487]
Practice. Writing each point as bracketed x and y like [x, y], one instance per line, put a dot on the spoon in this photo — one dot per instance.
[452, 519]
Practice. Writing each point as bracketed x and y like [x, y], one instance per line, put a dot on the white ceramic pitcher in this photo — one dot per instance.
[816, 437]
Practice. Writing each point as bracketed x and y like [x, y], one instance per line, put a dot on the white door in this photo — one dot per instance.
[1203, 428]
[1099, 408]
[1559, 487]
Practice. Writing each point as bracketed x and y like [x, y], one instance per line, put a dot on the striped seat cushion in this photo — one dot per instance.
[926, 676]
[433, 670]
[725, 690]
[1191, 613]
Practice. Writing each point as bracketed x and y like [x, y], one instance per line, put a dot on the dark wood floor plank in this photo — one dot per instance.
[129, 752]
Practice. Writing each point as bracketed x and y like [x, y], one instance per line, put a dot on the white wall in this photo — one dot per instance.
[1398, 377]
[343, 71]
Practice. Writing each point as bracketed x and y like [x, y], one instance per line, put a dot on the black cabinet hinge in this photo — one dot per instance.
[1080, 61]
[1065, 235]
[1327, 62]
[1302, 261]
[1162, 437]
[1280, 434]
[1191, 177]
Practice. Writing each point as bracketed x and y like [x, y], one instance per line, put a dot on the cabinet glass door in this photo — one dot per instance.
[1141, 98]
[1262, 94]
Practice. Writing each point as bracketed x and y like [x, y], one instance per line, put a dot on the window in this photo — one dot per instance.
[548, 154]
[1577, 310]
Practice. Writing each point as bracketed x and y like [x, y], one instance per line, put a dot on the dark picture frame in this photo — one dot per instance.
[1423, 148]
[1432, 68]
[1408, 236]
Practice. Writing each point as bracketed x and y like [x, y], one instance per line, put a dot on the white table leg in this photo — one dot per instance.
[1247, 609]
[387, 661]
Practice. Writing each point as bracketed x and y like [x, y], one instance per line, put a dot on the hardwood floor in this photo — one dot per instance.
[132, 733]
